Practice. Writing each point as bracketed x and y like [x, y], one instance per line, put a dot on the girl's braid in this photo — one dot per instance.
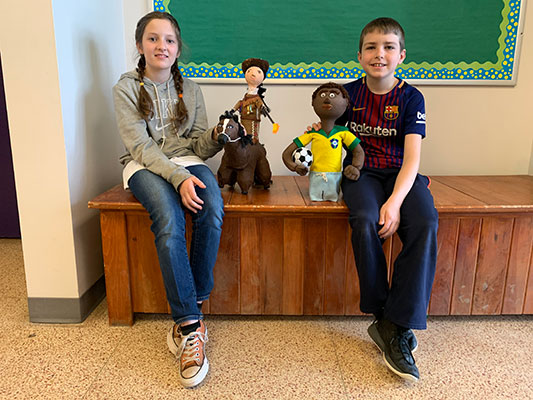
[181, 114]
[146, 107]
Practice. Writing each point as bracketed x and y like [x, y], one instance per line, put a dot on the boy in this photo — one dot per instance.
[388, 115]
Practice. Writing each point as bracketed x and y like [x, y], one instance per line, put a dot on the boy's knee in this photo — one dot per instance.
[427, 224]
[360, 221]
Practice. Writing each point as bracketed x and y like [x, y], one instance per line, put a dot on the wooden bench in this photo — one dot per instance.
[281, 254]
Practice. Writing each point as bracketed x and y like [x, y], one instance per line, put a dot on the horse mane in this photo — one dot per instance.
[245, 139]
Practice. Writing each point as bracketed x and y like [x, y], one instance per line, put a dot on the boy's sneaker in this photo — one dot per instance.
[190, 353]
[411, 339]
[395, 346]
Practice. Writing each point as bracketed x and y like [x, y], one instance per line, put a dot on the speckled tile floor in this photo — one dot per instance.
[252, 357]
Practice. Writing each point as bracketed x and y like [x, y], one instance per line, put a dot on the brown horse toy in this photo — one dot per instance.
[243, 162]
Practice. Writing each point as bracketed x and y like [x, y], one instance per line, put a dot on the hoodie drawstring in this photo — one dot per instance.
[160, 114]
[169, 109]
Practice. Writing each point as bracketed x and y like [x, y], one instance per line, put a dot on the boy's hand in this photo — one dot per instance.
[316, 126]
[352, 173]
[389, 217]
[189, 198]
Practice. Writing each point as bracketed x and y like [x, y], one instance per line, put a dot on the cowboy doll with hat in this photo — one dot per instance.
[253, 105]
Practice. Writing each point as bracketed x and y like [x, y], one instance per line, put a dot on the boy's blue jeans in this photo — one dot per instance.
[405, 302]
[188, 278]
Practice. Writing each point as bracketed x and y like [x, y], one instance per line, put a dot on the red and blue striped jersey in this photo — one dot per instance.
[382, 121]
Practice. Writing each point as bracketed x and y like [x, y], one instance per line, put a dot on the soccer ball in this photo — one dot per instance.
[303, 156]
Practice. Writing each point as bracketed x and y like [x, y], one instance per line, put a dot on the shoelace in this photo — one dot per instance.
[190, 348]
[403, 344]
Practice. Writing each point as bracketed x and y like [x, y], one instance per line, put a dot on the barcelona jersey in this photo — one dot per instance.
[382, 121]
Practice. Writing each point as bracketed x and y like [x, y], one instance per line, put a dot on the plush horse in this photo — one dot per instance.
[243, 161]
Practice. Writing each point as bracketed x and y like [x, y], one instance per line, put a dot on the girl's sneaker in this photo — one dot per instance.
[190, 354]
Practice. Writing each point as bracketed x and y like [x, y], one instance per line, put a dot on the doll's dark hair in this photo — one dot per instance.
[331, 85]
[384, 25]
[255, 62]
[146, 105]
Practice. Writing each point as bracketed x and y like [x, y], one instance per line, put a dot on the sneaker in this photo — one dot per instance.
[189, 351]
[394, 344]
[411, 339]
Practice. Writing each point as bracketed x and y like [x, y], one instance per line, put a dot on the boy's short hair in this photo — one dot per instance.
[331, 85]
[384, 25]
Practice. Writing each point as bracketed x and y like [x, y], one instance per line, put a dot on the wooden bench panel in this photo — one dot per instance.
[465, 266]
[335, 267]
[293, 266]
[519, 266]
[226, 299]
[494, 248]
[497, 194]
[145, 275]
[281, 253]
[441, 295]
[116, 267]
[528, 302]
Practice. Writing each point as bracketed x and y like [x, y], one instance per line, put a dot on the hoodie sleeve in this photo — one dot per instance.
[143, 149]
[199, 137]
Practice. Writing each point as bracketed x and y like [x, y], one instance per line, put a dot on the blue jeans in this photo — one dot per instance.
[405, 302]
[188, 278]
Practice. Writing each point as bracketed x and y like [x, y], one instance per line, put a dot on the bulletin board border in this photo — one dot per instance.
[502, 72]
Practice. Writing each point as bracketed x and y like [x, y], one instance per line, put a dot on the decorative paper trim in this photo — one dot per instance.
[501, 71]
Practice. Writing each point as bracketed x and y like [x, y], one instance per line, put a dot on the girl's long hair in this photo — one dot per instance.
[146, 105]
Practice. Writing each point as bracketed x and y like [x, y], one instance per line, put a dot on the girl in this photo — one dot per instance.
[162, 121]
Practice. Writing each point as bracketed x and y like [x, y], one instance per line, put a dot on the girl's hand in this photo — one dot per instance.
[389, 217]
[189, 198]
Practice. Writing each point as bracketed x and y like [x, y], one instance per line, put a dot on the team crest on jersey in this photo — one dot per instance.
[391, 112]
[334, 143]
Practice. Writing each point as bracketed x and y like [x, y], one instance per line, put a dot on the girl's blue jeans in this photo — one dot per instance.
[405, 301]
[188, 278]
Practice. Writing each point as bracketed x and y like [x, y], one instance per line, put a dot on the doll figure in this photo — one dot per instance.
[329, 101]
[253, 105]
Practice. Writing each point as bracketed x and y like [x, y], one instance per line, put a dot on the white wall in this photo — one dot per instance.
[34, 112]
[59, 63]
[133, 11]
[90, 58]
[471, 129]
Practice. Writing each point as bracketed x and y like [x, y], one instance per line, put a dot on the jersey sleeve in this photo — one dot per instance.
[350, 140]
[415, 114]
[303, 140]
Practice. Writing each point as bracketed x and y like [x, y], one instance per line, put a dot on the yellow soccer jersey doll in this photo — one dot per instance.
[329, 101]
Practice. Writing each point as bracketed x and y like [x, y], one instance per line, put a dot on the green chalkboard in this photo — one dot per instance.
[453, 40]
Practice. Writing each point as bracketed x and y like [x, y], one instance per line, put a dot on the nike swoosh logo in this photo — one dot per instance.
[160, 128]
[358, 109]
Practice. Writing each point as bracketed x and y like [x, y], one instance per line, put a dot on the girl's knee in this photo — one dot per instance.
[212, 211]
[170, 222]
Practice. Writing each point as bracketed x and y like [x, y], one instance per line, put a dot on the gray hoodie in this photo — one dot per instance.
[153, 143]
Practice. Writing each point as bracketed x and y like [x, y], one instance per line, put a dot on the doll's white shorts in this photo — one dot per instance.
[324, 186]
